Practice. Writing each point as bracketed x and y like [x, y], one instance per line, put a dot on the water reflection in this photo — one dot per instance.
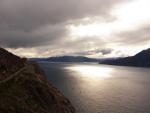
[91, 71]
[94, 88]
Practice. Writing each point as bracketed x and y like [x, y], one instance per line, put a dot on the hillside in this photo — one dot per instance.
[142, 59]
[9, 63]
[25, 89]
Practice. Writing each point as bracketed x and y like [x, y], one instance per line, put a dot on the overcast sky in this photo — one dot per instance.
[92, 28]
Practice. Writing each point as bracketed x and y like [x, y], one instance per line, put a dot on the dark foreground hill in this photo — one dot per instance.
[9, 63]
[24, 88]
[141, 59]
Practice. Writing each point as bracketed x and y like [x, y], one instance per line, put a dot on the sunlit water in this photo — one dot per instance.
[94, 88]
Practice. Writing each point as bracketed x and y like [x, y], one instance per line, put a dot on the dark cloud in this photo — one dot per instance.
[23, 23]
[39, 37]
[32, 13]
[43, 25]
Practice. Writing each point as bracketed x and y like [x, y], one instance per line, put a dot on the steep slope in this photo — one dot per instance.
[141, 59]
[27, 91]
[9, 63]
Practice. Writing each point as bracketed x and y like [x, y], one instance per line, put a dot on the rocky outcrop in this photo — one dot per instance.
[27, 91]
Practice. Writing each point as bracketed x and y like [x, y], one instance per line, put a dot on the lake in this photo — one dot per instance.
[95, 88]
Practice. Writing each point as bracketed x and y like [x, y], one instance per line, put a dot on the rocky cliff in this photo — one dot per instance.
[25, 89]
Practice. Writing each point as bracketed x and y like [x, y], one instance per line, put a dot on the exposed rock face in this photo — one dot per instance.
[27, 91]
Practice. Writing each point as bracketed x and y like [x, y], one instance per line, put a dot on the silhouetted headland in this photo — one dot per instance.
[24, 88]
[142, 59]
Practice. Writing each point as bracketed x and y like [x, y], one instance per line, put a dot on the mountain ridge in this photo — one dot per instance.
[68, 59]
[141, 59]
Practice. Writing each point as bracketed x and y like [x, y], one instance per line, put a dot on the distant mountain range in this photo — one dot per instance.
[67, 59]
[142, 59]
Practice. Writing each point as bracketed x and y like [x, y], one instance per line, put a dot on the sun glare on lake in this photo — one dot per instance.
[92, 71]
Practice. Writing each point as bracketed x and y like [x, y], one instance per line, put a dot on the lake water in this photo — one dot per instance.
[94, 88]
